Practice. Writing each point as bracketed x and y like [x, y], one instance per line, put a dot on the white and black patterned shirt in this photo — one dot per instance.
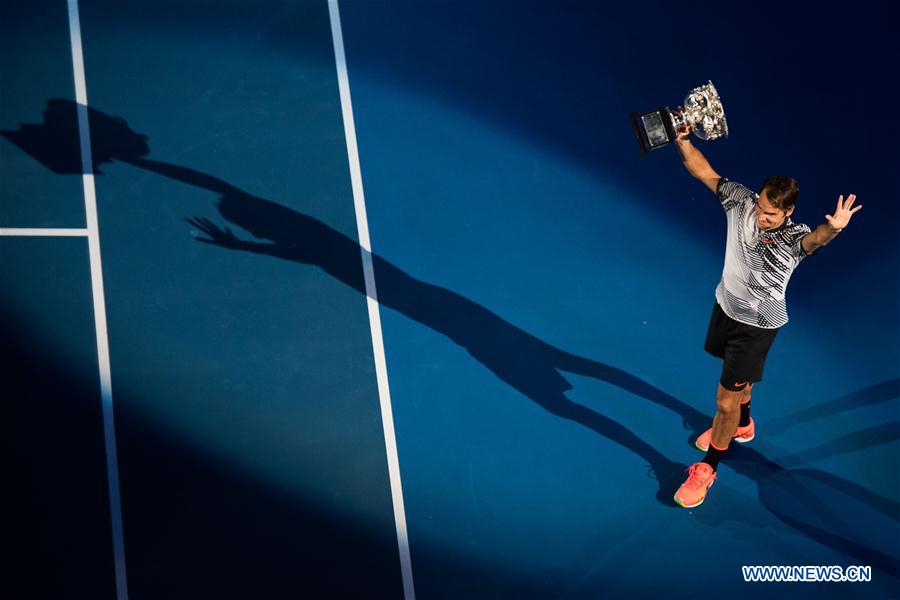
[758, 264]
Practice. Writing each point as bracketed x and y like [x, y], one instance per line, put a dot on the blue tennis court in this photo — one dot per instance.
[379, 299]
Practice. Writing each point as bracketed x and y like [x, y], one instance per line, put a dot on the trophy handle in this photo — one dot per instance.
[672, 121]
[654, 129]
[679, 119]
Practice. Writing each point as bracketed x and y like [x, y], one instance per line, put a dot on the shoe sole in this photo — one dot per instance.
[738, 439]
[683, 505]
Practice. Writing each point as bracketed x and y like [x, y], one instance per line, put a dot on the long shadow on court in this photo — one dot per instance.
[867, 396]
[528, 364]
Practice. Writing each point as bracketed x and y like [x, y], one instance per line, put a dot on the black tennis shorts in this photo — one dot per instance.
[742, 347]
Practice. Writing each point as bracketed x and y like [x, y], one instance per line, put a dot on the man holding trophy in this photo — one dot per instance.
[763, 248]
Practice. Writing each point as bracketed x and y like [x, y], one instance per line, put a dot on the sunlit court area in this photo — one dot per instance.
[372, 299]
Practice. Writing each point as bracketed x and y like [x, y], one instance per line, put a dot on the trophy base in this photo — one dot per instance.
[654, 129]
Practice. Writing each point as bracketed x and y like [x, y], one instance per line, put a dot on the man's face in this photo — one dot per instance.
[767, 216]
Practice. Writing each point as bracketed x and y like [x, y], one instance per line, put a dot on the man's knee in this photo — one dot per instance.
[727, 401]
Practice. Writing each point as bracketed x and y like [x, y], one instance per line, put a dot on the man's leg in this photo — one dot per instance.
[745, 431]
[702, 475]
[728, 414]
[745, 407]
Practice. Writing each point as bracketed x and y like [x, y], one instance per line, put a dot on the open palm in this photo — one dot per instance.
[843, 212]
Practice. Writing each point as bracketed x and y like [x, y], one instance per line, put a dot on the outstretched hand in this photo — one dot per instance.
[843, 212]
[217, 236]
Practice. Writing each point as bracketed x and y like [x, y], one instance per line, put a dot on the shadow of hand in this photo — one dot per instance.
[224, 238]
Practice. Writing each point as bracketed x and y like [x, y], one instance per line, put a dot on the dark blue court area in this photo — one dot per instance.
[216, 421]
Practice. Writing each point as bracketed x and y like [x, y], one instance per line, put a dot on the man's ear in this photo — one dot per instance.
[789, 211]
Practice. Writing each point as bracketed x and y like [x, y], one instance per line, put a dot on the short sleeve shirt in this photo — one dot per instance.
[758, 264]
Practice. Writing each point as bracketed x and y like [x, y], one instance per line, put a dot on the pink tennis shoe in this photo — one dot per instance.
[693, 491]
[742, 435]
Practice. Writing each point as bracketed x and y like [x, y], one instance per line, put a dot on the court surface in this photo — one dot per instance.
[233, 415]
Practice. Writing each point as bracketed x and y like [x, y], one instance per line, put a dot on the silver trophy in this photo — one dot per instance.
[702, 110]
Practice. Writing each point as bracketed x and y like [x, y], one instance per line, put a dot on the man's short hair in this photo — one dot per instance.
[781, 191]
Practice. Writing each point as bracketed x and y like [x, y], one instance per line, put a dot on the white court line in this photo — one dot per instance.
[42, 232]
[362, 225]
[90, 207]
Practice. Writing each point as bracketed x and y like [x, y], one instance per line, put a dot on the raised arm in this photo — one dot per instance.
[826, 232]
[694, 161]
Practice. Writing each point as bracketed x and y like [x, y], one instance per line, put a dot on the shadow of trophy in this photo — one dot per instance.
[55, 142]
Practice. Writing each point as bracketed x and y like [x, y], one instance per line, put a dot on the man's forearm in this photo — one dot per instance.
[693, 159]
[819, 237]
